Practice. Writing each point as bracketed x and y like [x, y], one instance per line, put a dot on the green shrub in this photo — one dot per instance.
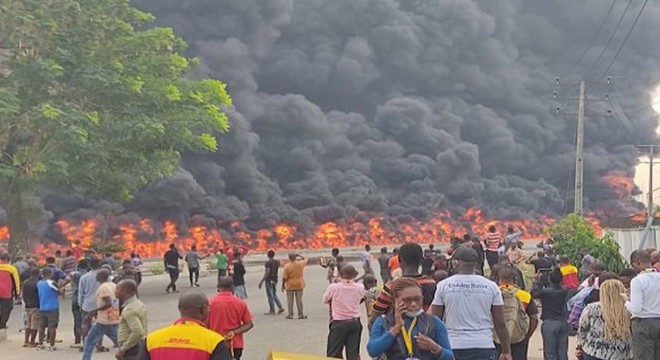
[108, 247]
[574, 233]
[158, 269]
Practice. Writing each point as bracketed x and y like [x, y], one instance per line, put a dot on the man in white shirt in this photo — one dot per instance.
[471, 307]
[644, 306]
[512, 237]
[366, 260]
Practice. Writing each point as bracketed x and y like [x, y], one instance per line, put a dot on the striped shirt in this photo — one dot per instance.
[493, 241]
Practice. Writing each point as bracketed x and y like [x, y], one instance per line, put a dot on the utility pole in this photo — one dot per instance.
[651, 210]
[651, 154]
[582, 100]
[579, 153]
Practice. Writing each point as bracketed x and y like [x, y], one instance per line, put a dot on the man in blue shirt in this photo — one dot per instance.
[49, 308]
[59, 277]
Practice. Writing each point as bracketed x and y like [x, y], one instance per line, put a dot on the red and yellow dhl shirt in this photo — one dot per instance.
[570, 277]
[10, 281]
[187, 339]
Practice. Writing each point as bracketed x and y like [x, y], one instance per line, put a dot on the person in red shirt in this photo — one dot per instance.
[230, 317]
[570, 274]
[10, 287]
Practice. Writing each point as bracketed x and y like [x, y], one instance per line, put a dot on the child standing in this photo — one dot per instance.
[49, 308]
[371, 292]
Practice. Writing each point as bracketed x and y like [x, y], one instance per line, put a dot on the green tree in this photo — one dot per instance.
[94, 99]
[575, 233]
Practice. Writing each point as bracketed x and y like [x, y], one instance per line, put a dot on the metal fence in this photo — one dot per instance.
[628, 239]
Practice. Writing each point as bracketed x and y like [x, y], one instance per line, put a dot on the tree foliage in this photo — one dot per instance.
[93, 99]
[575, 233]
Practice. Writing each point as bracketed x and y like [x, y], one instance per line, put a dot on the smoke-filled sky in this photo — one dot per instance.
[403, 107]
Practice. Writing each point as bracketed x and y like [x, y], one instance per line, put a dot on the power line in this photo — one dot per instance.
[600, 27]
[609, 41]
[620, 116]
[625, 40]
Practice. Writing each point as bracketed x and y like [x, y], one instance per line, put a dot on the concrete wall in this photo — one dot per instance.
[628, 239]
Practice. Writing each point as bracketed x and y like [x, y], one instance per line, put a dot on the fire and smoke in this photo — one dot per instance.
[152, 239]
[350, 113]
[621, 185]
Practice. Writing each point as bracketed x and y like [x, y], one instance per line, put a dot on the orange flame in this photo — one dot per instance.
[152, 239]
[622, 186]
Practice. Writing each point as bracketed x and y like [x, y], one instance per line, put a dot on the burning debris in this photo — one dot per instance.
[621, 185]
[149, 238]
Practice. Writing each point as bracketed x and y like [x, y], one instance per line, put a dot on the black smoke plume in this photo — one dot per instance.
[402, 108]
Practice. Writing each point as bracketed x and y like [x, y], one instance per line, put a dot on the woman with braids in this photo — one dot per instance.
[408, 333]
[604, 331]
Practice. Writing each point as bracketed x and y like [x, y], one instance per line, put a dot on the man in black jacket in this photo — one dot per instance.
[171, 260]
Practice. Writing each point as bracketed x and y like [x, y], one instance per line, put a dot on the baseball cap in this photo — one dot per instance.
[465, 254]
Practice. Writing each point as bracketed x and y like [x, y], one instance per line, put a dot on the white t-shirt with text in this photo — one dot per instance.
[468, 300]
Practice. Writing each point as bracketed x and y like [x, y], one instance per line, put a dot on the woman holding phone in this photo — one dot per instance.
[409, 333]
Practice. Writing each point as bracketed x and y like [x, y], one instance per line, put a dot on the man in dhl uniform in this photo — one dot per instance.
[188, 338]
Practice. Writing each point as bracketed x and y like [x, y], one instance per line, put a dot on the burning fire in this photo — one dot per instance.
[152, 239]
[622, 186]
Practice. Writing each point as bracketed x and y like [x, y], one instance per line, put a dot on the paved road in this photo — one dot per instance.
[270, 332]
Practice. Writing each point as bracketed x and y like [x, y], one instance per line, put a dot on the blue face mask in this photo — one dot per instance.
[414, 314]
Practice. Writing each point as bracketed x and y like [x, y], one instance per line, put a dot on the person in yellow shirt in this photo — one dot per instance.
[293, 282]
[188, 338]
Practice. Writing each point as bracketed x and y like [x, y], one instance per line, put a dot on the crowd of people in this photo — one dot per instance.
[105, 303]
[430, 304]
[436, 305]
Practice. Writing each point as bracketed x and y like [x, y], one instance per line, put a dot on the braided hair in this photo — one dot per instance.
[615, 315]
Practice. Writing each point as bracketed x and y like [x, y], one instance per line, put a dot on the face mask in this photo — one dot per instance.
[414, 314]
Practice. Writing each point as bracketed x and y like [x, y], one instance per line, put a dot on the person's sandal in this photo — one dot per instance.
[289, 317]
[270, 313]
[302, 317]
[102, 349]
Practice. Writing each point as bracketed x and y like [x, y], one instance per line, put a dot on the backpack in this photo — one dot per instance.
[574, 315]
[517, 320]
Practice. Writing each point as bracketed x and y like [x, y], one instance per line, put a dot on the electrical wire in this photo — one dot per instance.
[609, 41]
[620, 116]
[600, 27]
[624, 40]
